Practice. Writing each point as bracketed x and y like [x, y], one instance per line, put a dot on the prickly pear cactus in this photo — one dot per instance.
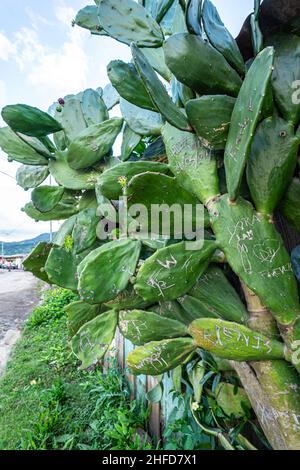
[193, 110]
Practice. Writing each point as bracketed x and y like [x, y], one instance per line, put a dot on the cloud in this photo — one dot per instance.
[28, 49]
[7, 48]
[56, 71]
[62, 71]
[2, 95]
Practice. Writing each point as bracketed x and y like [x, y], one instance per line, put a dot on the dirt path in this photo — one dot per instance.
[18, 296]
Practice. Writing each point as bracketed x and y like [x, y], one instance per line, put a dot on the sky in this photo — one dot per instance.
[43, 58]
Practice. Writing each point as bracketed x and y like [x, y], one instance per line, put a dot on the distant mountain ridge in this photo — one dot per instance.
[23, 247]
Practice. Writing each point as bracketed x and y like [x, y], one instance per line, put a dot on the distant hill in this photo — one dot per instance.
[23, 247]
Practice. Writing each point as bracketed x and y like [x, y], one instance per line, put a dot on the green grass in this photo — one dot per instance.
[47, 403]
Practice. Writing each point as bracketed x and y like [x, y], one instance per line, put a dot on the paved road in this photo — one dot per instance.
[17, 298]
[18, 295]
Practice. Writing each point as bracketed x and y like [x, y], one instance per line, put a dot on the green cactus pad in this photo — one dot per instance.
[109, 184]
[92, 144]
[272, 162]
[235, 342]
[46, 198]
[31, 176]
[139, 27]
[233, 400]
[196, 64]
[290, 206]
[18, 150]
[181, 94]
[220, 37]
[157, 91]
[128, 298]
[63, 210]
[42, 145]
[246, 115]
[161, 276]
[79, 313]
[158, 357]
[72, 120]
[35, 262]
[158, 8]
[108, 270]
[94, 338]
[193, 16]
[129, 85]
[141, 121]
[87, 18]
[286, 74]
[29, 121]
[156, 59]
[194, 166]
[64, 231]
[210, 116]
[110, 96]
[162, 193]
[84, 232]
[214, 297]
[72, 179]
[171, 309]
[93, 107]
[141, 327]
[88, 201]
[256, 253]
[61, 267]
[129, 143]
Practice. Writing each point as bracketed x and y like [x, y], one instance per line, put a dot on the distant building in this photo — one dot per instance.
[13, 259]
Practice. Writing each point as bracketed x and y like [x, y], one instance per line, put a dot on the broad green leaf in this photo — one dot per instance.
[61, 268]
[172, 271]
[141, 121]
[85, 230]
[157, 91]
[233, 400]
[220, 37]
[94, 338]
[92, 144]
[129, 143]
[31, 176]
[158, 357]
[129, 84]
[246, 115]
[18, 150]
[139, 27]
[272, 163]
[107, 270]
[235, 342]
[36, 260]
[196, 64]
[109, 181]
[214, 297]
[286, 74]
[194, 166]
[66, 176]
[141, 327]
[46, 198]
[210, 116]
[255, 252]
[29, 121]
[79, 313]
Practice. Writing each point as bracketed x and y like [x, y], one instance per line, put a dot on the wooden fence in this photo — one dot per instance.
[141, 385]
